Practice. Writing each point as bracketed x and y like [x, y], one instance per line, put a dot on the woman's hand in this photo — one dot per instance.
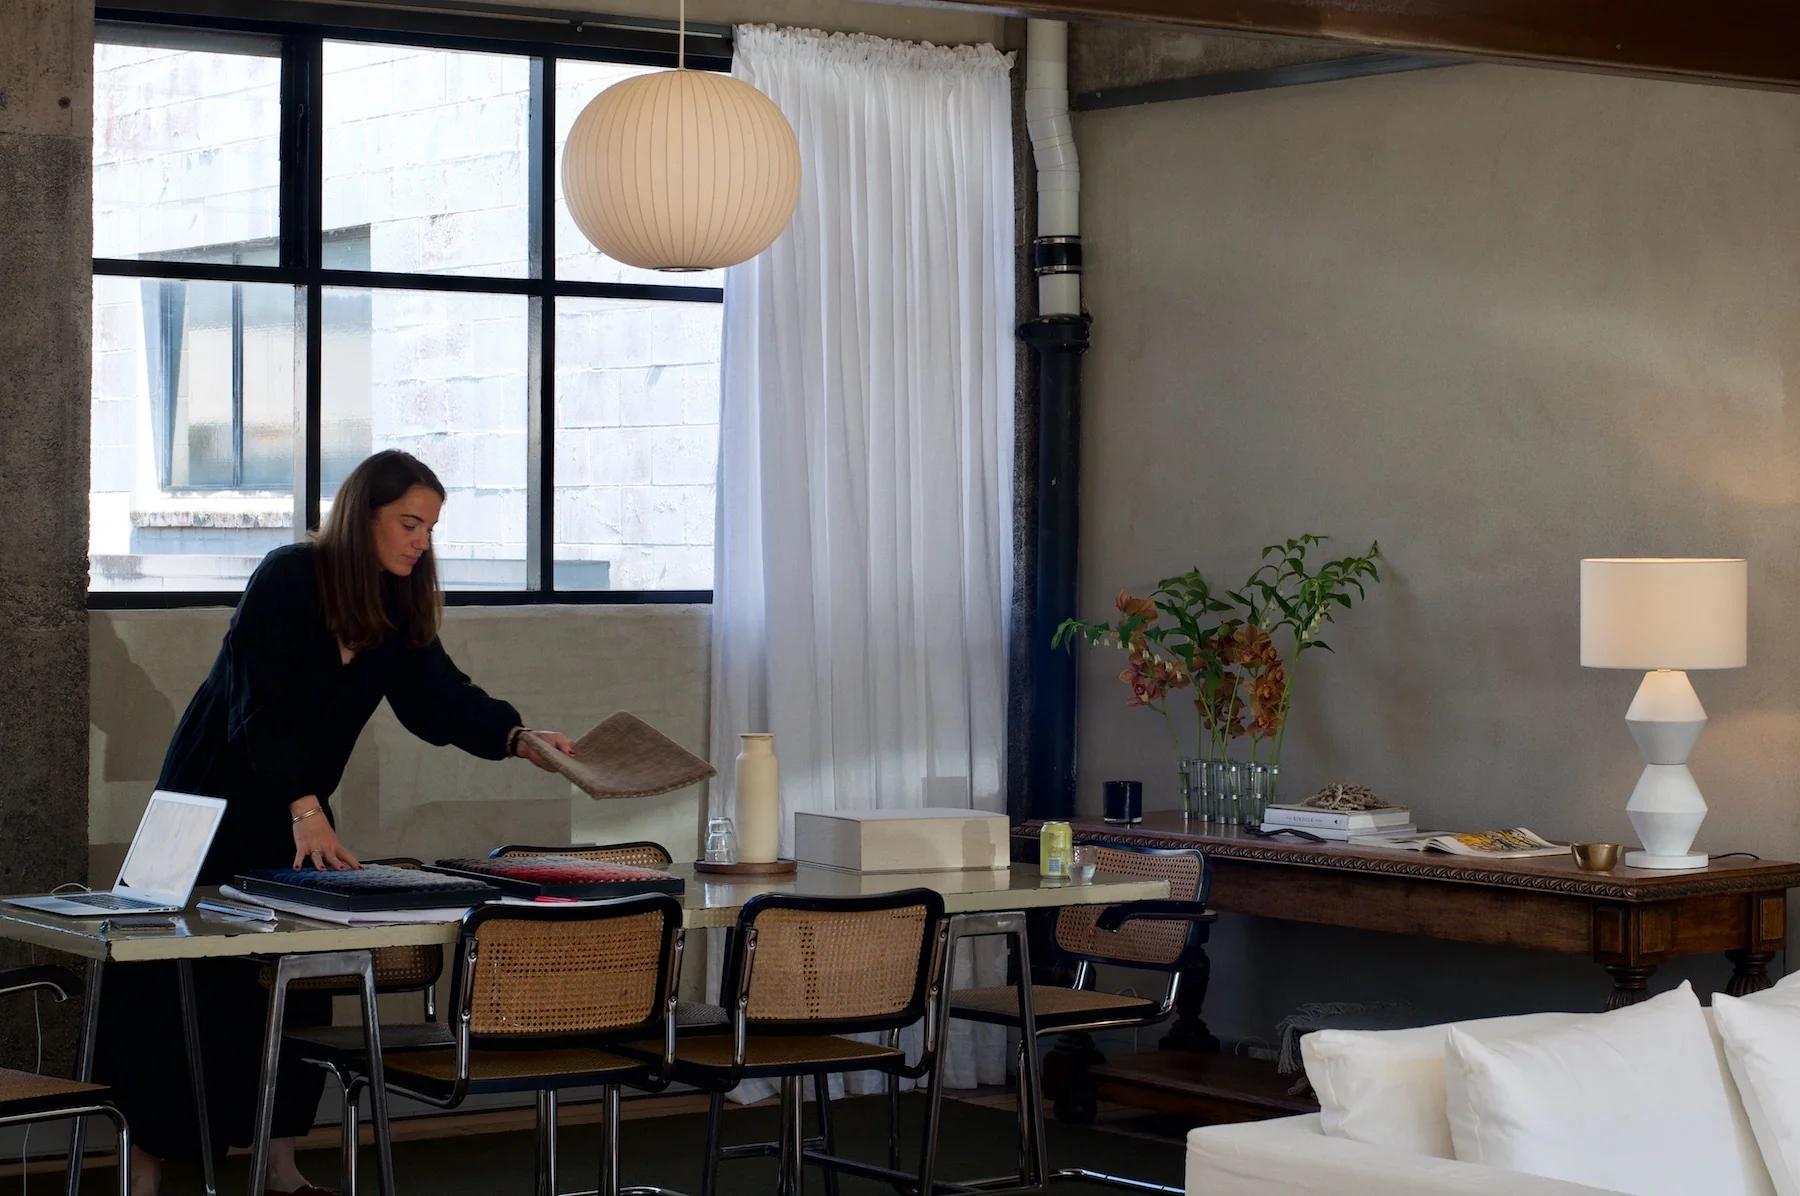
[555, 739]
[316, 841]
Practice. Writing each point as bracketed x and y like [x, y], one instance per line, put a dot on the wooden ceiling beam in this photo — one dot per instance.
[1747, 42]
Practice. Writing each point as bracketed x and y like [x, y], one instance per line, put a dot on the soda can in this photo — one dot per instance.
[1056, 849]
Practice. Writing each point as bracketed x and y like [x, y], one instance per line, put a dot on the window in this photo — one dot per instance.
[284, 286]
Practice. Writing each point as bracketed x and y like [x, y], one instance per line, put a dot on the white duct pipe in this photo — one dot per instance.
[1058, 172]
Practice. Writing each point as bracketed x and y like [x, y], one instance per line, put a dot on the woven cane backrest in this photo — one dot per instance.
[638, 855]
[567, 977]
[1143, 943]
[837, 966]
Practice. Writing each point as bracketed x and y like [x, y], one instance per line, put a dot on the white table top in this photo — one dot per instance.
[706, 903]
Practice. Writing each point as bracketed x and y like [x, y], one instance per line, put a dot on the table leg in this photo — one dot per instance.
[1630, 984]
[84, 1065]
[1189, 1031]
[1750, 972]
[190, 1033]
[378, 1093]
[271, 1067]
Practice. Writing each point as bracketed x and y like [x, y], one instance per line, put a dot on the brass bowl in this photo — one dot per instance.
[1595, 857]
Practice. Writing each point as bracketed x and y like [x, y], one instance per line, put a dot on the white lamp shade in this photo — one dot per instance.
[681, 170]
[1663, 613]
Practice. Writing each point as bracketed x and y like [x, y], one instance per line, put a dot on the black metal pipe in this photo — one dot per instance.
[1060, 342]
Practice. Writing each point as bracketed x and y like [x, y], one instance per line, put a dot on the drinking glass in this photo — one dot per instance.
[721, 841]
[1086, 862]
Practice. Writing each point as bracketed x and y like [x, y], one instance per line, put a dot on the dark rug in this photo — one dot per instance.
[976, 1141]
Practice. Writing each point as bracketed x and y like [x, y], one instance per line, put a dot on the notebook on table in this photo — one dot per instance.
[374, 887]
[562, 876]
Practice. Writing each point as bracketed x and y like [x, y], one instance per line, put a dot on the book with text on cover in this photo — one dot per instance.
[1511, 843]
[1311, 818]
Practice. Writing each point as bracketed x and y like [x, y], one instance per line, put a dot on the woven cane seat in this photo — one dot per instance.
[776, 1053]
[1052, 1007]
[694, 1017]
[566, 1066]
[22, 1092]
[344, 1044]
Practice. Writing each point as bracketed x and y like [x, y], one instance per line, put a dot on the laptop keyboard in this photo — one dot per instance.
[112, 901]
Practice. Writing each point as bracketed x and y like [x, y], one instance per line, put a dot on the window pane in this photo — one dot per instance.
[637, 443]
[186, 141]
[576, 258]
[192, 438]
[429, 149]
[441, 376]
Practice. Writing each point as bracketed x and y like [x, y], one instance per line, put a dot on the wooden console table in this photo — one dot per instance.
[1628, 920]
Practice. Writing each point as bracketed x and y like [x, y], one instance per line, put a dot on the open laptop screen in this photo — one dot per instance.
[171, 844]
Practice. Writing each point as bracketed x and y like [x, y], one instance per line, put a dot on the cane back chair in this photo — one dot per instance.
[541, 996]
[1159, 937]
[800, 975]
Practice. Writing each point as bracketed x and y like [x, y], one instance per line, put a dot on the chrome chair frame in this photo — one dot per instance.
[64, 984]
[1032, 1154]
[462, 1039]
[792, 1148]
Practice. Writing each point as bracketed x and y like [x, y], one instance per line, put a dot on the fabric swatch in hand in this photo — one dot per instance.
[624, 757]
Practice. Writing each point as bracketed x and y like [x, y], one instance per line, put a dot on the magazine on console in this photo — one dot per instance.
[1508, 844]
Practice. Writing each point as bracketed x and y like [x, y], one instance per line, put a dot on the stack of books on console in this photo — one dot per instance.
[1387, 822]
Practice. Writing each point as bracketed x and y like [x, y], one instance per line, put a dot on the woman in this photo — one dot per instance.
[324, 631]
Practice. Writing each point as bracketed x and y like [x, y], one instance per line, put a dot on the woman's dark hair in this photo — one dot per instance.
[363, 603]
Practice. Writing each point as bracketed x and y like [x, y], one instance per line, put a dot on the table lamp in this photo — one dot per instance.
[1665, 616]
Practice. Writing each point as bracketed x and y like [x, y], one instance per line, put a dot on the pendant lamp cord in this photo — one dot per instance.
[681, 37]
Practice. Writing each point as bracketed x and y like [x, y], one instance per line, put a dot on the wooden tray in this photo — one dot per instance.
[775, 868]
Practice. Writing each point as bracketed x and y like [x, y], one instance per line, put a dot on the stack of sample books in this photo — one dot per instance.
[1390, 822]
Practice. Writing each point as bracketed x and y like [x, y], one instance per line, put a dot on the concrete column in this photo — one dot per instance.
[46, 246]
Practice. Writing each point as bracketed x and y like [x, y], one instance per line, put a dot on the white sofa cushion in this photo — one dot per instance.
[1761, 1033]
[1386, 1087]
[1633, 1099]
[1293, 1156]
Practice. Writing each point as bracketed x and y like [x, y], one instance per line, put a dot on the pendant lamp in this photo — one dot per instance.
[681, 170]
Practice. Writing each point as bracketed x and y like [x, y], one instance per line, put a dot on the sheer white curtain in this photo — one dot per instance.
[865, 447]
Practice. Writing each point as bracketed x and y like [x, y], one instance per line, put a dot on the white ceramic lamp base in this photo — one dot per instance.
[1666, 808]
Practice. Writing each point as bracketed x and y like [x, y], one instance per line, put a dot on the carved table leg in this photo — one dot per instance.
[1630, 984]
[1750, 971]
[1189, 1032]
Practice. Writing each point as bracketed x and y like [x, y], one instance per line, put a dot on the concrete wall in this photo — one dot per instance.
[45, 112]
[1500, 319]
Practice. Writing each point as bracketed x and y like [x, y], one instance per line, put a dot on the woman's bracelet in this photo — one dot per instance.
[512, 740]
[302, 817]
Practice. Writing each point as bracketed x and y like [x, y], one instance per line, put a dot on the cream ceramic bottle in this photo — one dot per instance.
[758, 800]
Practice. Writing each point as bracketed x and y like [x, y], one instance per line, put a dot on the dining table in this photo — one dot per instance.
[979, 902]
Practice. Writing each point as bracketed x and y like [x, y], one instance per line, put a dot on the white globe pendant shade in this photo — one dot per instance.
[681, 170]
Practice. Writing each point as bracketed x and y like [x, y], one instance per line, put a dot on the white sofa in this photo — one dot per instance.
[1645, 1100]
[1294, 1155]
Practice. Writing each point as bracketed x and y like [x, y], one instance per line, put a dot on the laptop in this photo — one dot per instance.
[160, 869]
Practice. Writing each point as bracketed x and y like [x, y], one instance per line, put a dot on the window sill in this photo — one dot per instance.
[221, 509]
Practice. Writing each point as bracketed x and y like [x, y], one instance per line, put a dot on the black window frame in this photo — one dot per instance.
[542, 37]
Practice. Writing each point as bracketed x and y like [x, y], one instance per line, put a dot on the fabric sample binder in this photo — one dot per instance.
[375, 887]
[562, 876]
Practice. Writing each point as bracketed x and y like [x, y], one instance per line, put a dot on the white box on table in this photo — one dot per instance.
[923, 840]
